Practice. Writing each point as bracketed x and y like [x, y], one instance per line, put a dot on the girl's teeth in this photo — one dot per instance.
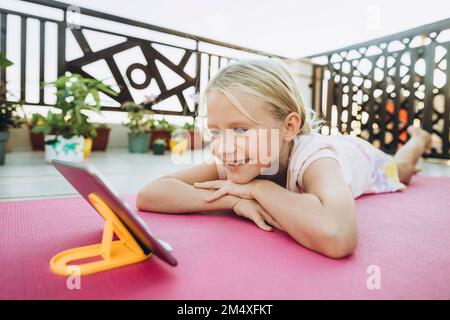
[235, 164]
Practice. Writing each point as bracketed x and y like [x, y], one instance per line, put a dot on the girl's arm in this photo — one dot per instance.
[324, 218]
[174, 193]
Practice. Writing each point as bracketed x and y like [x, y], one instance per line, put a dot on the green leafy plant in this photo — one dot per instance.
[188, 126]
[72, 92]
[163, 125]
[139, 119]
[88, 130]
[9, 117]
[54, 123]
[36, 119]
[4, 62]
[101, 126]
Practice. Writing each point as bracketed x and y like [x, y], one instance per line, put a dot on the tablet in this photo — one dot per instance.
[86, 179]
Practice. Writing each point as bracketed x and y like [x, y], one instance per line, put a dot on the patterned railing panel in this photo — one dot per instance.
[377, 89]
[162, 68]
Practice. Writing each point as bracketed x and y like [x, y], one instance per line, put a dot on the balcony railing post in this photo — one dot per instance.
[3, 49]
[446, 117]
[23, 56]
[428, 101]
[62, 45]
[198, 63]
[41, 61]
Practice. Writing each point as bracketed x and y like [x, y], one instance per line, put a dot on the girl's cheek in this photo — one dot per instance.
[251, 141]
[242, 151]
[214, 147]
[260, 147]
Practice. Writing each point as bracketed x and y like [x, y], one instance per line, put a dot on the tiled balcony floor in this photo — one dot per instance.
[26, 175]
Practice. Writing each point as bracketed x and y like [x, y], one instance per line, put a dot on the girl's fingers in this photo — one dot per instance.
[270, 220]
[216, 195]
[203, 185]
[258, 219]
[275, 224]
[215, 184]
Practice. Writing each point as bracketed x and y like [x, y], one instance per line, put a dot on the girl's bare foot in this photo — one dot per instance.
[408, 155]
[423, 135]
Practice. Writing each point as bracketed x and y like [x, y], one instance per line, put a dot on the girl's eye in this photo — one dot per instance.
[240, 130]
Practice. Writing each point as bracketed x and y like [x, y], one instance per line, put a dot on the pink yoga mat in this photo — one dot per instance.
[406, 235]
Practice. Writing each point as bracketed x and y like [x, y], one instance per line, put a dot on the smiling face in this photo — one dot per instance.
[246, 148]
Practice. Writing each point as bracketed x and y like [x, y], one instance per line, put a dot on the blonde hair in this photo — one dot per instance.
[270, 81]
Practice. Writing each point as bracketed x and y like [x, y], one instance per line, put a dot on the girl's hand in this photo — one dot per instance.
[252, 210]
[225, 187]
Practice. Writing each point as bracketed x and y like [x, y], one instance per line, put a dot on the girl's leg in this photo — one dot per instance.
[409, 154]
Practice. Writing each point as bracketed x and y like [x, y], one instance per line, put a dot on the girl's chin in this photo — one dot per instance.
[242, 174]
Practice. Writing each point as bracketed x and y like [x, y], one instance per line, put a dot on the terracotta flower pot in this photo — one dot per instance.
[100, 142]
[36, 139]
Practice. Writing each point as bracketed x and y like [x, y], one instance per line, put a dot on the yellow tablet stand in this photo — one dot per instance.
[111, 254]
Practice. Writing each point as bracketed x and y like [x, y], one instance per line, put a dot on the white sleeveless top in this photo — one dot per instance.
[365, 168]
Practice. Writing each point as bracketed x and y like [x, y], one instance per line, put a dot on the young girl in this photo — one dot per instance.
[307, 184]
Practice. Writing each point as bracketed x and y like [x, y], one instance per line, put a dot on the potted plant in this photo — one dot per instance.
[36, 139]
[8, 114]
[65, 131]
[139, 123]
[60, 140]
[100, 141]
[8, 119]
[162, 129]
[159, 146]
